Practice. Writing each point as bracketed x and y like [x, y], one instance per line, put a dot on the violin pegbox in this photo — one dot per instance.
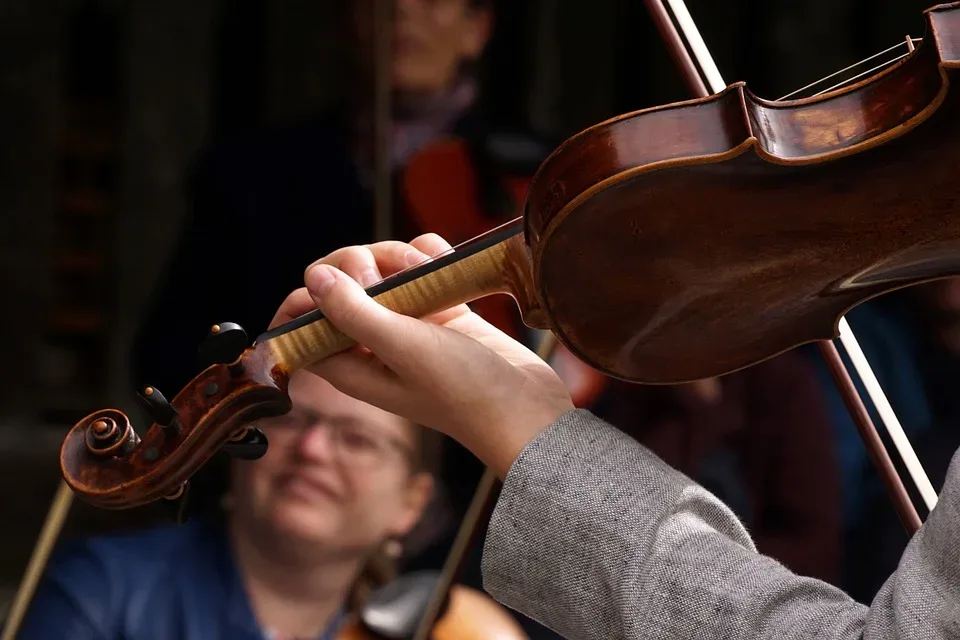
[109, 465]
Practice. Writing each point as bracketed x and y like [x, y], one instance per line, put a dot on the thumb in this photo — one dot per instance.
[341, 299]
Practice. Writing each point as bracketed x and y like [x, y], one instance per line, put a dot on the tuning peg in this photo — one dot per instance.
[178, 493]
[224, 344]
[180, 504]
[249, 444]
[159, 409]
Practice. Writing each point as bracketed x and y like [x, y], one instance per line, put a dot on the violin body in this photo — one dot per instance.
[470, 615]
[692, 240]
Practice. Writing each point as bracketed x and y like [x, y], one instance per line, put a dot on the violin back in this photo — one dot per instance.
[693, 240]
[470, 615]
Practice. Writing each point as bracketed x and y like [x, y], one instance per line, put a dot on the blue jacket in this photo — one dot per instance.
[167, 583]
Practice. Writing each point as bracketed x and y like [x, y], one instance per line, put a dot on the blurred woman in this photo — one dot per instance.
[306, 531]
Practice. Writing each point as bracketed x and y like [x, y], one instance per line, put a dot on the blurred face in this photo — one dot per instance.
[336, 474]
[432, 38]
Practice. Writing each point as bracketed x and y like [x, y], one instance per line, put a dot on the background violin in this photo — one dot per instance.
[452, 188]
[394, 611]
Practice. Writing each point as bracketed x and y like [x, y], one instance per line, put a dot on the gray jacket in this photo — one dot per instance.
[595, 537]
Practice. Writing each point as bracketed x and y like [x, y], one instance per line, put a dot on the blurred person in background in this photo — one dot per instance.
[300, 190]
[304, 534]
[287, 194]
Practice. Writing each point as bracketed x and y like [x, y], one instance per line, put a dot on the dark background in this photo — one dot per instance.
[105, 104]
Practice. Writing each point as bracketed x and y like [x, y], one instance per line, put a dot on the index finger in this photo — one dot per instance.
[295, 305]
[367, 264]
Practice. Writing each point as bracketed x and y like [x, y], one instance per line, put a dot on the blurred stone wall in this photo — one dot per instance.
[29, 103]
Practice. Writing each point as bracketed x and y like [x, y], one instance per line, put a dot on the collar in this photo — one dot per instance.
[414, 124]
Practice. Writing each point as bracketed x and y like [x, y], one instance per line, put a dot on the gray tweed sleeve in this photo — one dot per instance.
[595, 537]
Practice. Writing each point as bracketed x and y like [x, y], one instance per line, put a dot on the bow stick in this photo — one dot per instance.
[63, 499]
[382, 120]
[671, 29]
[480, 506]
[52, 525]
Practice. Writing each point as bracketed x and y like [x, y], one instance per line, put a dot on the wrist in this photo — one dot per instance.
[500, 442]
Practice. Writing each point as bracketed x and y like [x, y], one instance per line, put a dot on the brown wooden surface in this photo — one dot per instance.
[471, 615]
[696, 239]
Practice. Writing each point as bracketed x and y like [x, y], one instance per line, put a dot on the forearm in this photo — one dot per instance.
[596, 538]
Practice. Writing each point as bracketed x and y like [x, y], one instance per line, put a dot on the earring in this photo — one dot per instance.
[392, 548]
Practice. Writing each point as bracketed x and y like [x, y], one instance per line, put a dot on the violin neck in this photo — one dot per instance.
[496, 262]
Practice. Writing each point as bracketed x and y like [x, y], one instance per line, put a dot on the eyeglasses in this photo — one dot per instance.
[354, 443]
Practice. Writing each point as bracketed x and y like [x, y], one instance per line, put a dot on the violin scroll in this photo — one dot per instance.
[107, 464]
[108, 433]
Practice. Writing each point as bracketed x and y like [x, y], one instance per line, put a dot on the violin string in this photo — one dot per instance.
[845, 69]
[437, 256]
[860, 75]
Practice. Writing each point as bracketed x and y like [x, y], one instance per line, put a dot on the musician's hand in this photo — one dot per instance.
[453, 371]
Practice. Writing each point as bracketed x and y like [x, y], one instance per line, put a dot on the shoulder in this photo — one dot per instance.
[91, 584]
[106, 571]
[145, 543]
[116, 558]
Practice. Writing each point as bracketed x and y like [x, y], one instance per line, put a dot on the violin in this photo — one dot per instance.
[445, 190]
[394, 611]
[666, 245]
[662, 246]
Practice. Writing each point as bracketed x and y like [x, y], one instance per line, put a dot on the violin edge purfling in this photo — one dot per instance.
[549, 193]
